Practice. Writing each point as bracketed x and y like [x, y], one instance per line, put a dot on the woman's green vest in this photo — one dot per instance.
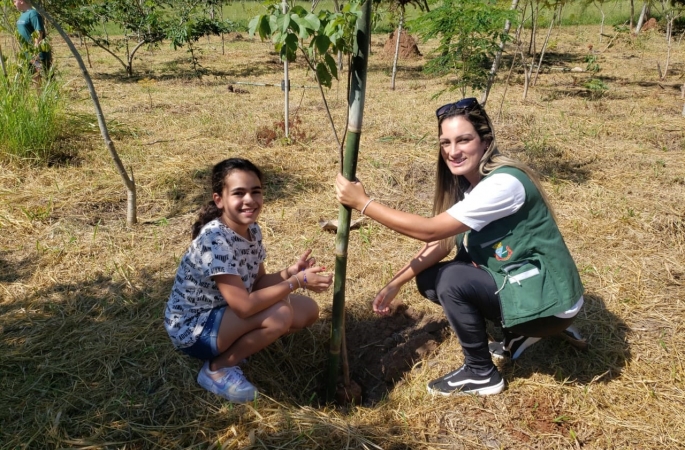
[528, 259]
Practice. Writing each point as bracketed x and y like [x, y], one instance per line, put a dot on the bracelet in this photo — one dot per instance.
[291, 286]
[367, 204]
[299, 286]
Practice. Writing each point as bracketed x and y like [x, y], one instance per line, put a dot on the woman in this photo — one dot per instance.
[512, 266]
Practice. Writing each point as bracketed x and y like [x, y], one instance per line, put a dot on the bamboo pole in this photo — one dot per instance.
[356, 110]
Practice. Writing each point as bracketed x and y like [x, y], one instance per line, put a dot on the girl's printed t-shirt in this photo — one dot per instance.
[217, 250]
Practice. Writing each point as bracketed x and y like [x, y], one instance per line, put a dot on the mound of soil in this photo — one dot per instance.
[381, 351]
[408, 47]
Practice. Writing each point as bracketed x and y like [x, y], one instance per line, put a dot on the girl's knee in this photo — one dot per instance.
[311, 313]
[282, 318]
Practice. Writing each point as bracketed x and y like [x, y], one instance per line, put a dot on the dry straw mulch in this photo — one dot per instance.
[85, 359]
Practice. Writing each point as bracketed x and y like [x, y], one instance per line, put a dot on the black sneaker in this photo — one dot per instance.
[512, 346]
[465, 381]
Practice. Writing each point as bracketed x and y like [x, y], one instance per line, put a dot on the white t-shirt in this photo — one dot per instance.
[497, 196]
[217, 250]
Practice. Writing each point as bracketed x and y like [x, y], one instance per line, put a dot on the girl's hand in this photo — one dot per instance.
[381, 304]
[305, 262]
[350, 193]
[314, 280]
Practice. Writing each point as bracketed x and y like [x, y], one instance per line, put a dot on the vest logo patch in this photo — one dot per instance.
[502, 253]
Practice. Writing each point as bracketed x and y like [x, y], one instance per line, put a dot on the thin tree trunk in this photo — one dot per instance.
[130, 184]
[601, 25]
[397, 49]
[669, 32]
[632, 13]
[356, 111]
[336, 8]
[641, 20]
[544, 47]
[506, 86]
[527, 72]
[535, 11]
[85, 44]
[498, 57]
[223, 39]
[286, 86]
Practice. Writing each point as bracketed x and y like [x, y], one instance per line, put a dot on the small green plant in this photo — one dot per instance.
[592, 64]
[597, 88]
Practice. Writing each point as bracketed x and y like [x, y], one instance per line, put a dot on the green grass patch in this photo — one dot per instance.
[30, 117]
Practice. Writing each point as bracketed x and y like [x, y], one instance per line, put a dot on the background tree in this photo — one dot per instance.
[316, 36]
[187, 21]
[469, 34]
[131, 208]
[141, 22]
[395, 7]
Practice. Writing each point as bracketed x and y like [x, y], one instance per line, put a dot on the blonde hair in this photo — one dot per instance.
[449, 189]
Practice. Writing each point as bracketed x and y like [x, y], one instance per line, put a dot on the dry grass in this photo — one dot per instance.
[86, 362]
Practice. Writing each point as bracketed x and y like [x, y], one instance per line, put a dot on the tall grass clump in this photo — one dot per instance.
[30, 116]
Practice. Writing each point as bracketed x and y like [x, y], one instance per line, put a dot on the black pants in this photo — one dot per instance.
[467, 295]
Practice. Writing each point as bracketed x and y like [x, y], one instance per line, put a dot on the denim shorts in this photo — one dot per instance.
[205, 347]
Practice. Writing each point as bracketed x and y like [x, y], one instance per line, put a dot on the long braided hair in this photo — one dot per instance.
[220, 171]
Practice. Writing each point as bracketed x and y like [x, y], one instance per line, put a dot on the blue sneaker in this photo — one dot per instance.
[230, 384]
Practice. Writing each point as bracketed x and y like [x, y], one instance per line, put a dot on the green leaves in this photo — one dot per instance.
[469, 33]
[318, 37]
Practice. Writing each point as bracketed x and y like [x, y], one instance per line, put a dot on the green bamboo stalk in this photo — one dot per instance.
[354, 128]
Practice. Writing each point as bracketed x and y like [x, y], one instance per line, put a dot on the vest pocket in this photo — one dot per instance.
[526, 288]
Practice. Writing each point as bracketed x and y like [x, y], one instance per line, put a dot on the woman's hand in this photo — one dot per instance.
[305, 262]
[381, 304]
[350, 193]
[314, 280]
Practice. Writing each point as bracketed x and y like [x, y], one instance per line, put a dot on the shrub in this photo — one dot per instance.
[30, 117]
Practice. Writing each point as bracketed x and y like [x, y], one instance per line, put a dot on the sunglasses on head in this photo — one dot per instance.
[464, 103]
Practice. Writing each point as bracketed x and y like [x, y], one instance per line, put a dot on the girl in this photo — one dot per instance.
[223, 306]
[512, 265]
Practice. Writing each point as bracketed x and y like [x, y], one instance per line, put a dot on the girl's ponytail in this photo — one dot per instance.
[220, 171]
[208, 213]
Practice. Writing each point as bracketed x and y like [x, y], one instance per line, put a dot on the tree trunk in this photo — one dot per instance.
[535, 11]
[130, 184]
[641, 20]
[355, 114]
[632, 13]
[498, 57]
[286, 85]
[601, 25]
[544, 47]
[670, 18]
[397, 49]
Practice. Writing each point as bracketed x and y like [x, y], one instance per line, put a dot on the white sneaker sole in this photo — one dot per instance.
[489, 390]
